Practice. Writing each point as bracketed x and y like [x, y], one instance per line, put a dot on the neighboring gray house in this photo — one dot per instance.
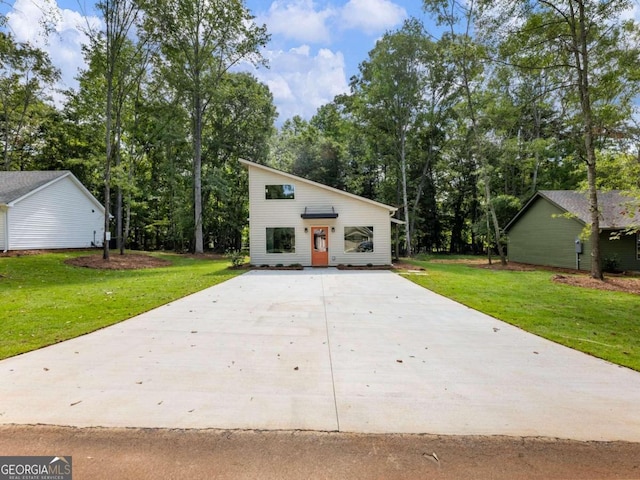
[547, 229]
[296, 221]
[48, 210]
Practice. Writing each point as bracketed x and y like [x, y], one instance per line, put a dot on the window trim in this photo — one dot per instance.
[291, 188]
[266, 241]
[370, 239]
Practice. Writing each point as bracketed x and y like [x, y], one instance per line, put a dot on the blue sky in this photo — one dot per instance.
[316, 45]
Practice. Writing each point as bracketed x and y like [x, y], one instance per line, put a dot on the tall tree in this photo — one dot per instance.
[467, 55]
[200, 40]
[120, 17]
[589, 46]
[25, 74]
[391, 87]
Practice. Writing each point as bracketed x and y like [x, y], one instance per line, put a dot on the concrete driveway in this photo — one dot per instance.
[356, 351]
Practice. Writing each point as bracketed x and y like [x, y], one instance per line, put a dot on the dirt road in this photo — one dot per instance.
[217, 454]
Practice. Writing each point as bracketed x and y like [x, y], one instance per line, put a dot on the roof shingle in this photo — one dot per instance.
[616, 209]
[14, 185]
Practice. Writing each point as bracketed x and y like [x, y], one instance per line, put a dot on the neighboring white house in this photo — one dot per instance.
[47, 210]
[296, 221]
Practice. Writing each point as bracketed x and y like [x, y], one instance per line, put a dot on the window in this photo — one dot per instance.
[279, 192]
[281, 240]
[638, 245]
[358, 239]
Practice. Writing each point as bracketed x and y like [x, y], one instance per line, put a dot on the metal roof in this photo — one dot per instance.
[15, 185]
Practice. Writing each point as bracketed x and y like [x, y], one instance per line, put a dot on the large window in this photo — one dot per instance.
[279, 192]
[358, 239]
[281, 240]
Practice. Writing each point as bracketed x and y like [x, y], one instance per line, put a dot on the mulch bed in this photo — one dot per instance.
[129, 261]
[618, 284]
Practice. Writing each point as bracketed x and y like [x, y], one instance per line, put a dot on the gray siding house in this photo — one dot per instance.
[48, 210]
[547, 230]
[293, 220]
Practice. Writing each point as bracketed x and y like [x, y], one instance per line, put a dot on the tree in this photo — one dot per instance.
[466, 55]
[199, 41]
[391, 87]
[594, 54]
[25, 73]
[120, 17]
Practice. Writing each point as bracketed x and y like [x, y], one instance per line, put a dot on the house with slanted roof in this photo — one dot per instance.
[48, 210]
[293, 220]
[548, 230]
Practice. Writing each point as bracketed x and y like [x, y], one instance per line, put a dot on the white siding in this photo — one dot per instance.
[3, 233]
[352, 212]
[60, 215]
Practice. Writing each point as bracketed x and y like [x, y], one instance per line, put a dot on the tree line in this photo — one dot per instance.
[457, 124]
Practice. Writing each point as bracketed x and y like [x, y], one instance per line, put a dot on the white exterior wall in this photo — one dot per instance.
[61, 215]
[352, 212]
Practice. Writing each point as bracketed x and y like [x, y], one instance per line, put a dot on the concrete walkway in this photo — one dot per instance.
[356, 351]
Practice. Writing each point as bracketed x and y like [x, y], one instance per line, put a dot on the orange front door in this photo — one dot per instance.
[320, 246]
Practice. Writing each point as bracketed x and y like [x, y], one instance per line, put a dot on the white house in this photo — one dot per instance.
[47, 210]
[296, 221]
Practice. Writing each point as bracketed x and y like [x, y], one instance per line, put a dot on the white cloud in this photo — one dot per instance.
[372, 16]
[299, 20]
[26, 21]
[301, 82]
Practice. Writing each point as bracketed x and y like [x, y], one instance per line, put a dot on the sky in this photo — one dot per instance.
[315, 48]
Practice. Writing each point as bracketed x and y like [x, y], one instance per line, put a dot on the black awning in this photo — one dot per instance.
[319, 212]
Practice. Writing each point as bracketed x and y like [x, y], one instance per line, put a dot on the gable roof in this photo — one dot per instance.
[613, 204]
[247, 163]
[15, 185]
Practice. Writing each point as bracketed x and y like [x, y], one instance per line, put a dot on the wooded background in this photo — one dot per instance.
[457, 128]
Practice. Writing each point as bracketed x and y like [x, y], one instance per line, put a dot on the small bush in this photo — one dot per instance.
[369, 265]
[279, 265]
[296, 265]
[236, 257]
[611, 264]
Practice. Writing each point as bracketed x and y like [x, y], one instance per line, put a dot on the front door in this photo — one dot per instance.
[320, 246]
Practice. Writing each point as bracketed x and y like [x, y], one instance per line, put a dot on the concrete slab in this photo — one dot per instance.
[357, 351]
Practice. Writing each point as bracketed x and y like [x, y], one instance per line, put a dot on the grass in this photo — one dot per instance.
[44, 301]
[601, 323]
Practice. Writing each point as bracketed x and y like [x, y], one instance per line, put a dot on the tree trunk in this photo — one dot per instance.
[405, 199]
[197, 173]
[581, 53]
[107, 169]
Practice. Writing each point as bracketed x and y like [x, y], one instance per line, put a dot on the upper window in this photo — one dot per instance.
[358, 239]
[279, 192]
[281, 240]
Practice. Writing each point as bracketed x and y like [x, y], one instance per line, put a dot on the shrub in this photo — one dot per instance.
[236, 257]
[611, 264]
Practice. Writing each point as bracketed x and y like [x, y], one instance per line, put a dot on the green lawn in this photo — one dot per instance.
[44, 301]
[601, 323]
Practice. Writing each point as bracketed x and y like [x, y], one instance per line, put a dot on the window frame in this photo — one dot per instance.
[368, 239]
[288, 191]
[284, 252]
